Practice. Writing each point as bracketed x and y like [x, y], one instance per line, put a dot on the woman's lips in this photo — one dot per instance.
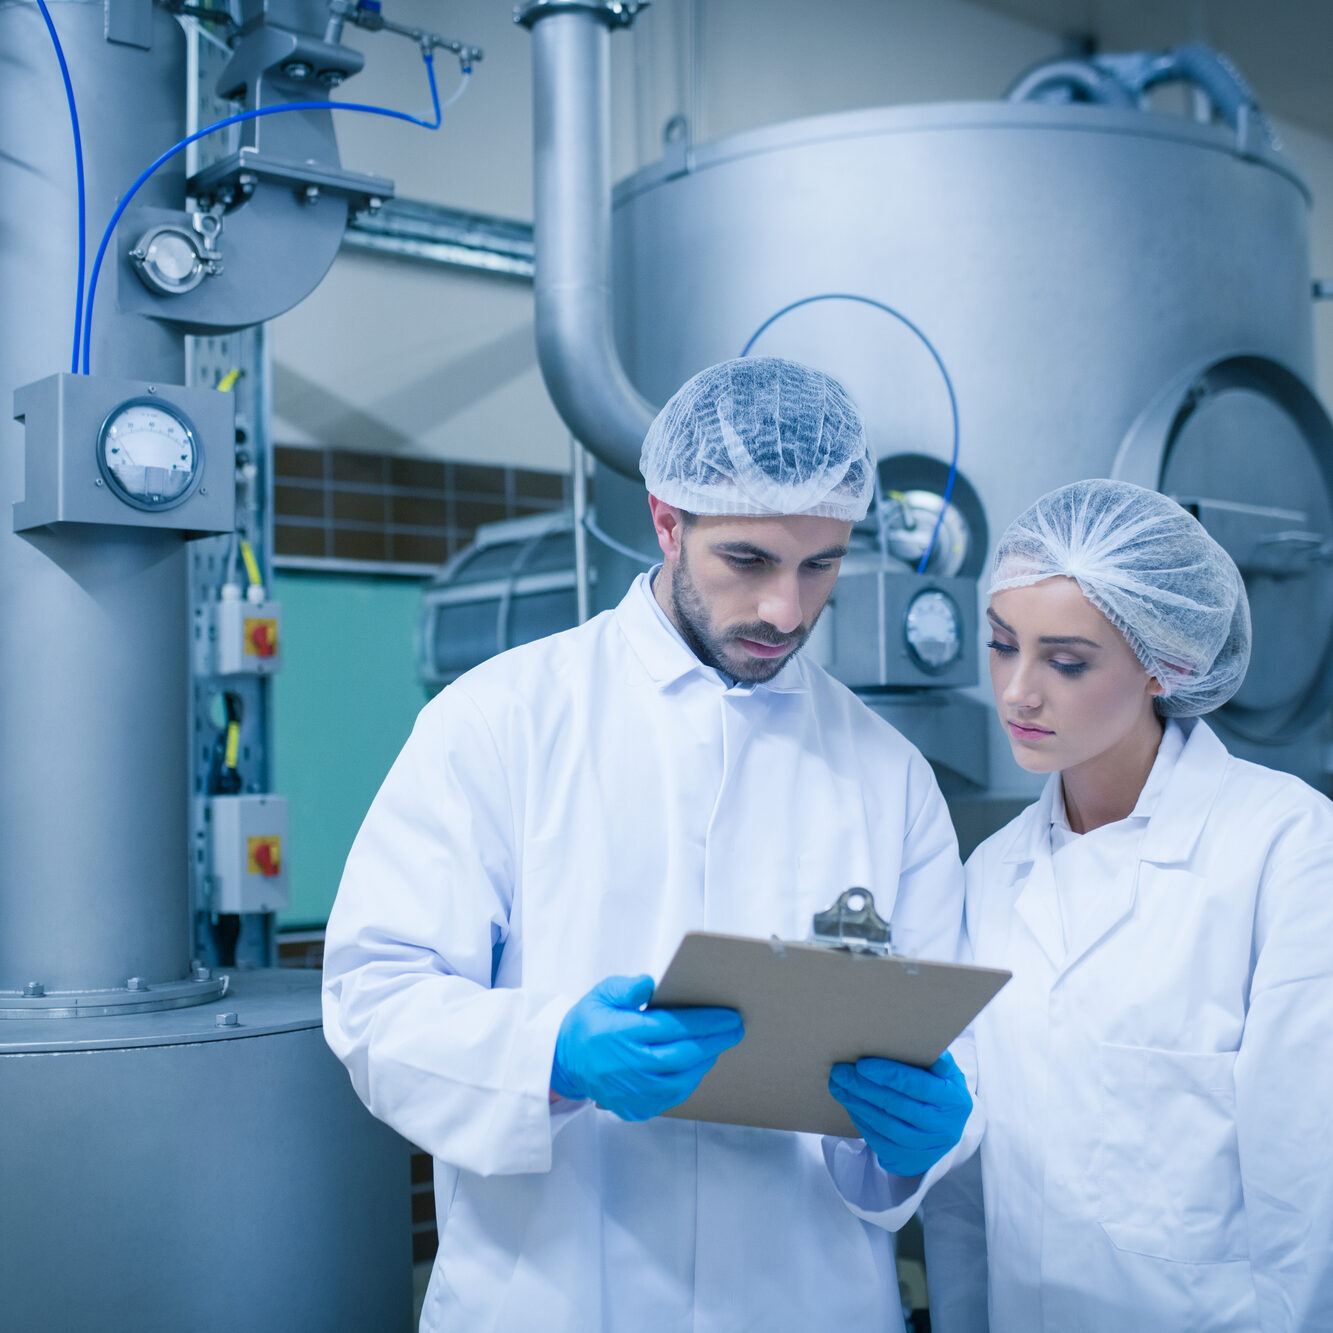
[1022, 733]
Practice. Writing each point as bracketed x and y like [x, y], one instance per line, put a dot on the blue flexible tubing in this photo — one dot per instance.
[78, 168]
[238, 119]
[939, 361]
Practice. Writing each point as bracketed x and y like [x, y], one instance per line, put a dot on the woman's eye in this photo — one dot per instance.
[1003, 648]
[1069, 668]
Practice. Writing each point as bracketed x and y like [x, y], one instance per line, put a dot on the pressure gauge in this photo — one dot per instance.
[149, 454]
[933, 628]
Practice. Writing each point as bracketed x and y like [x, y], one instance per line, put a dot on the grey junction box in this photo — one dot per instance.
[64, 416]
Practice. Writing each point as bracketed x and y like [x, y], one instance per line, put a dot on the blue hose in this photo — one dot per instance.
[939, 361]
[238, 119]
[78, 168]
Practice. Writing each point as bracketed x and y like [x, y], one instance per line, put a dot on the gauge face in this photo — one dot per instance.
[148, 454]
[934, 630]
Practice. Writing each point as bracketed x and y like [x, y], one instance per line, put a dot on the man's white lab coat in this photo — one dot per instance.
[1158, 1153]
[567, 811]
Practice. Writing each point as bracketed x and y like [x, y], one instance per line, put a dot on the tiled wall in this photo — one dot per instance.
[340, 505]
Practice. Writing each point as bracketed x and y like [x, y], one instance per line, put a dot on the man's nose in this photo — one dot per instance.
[780, 605]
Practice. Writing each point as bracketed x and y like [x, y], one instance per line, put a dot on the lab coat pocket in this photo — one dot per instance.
[1166, 1167]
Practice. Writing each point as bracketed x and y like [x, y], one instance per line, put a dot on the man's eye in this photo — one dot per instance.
[819, 566]
[744, 561]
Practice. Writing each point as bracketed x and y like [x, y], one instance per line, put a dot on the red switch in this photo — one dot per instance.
[264, 856]
[261, 637]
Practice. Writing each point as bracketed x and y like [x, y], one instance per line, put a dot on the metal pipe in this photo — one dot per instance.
[572, 207]
[578, 480]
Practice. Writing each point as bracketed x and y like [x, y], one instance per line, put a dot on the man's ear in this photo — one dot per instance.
[669, 524]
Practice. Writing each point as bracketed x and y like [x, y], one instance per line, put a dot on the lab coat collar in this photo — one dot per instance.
[1175, 824]
[1187, 798]
[667, 658]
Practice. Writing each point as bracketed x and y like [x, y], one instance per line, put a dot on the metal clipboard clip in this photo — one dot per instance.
[853, 924]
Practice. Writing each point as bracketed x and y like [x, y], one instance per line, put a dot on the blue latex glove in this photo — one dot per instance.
[910, 1117]
[634, 1063]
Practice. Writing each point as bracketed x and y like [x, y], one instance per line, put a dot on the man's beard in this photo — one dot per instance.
[709, 644]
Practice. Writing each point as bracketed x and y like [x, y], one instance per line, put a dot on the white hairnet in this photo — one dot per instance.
[1151, 569]
[760, 435]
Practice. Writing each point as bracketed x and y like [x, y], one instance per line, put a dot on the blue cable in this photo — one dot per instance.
[78, 167]
[238, 119]
[939, 361]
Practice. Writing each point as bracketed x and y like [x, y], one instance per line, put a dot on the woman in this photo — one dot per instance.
[1156, 1075]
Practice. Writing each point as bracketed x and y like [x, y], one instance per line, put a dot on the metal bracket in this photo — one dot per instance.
[130, 23]
[853, 924]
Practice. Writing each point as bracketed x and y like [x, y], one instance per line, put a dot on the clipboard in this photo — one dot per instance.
[807, 1007]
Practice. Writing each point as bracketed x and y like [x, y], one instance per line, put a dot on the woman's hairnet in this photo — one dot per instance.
[760, 435]
[1151, 569]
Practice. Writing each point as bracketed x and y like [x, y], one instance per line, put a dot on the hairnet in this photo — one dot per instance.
[1151, 569]
[760, 435]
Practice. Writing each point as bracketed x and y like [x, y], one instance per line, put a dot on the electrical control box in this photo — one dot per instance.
[246, 637]
[248, 853]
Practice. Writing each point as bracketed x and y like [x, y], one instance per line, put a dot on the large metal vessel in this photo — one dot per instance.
[1112, 291]
[179, 1152]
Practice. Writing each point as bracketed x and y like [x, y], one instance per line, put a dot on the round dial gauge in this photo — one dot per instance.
[149, 454]
[934, 631]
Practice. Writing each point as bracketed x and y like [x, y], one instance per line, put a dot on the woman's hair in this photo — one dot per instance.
[1150, 568]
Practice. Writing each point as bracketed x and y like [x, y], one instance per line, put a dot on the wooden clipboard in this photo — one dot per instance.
[807, 1007]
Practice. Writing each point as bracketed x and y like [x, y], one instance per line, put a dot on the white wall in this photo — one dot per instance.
[408, 358]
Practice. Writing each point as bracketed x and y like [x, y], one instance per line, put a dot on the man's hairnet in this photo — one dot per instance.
[1152, 570]
[760, 435]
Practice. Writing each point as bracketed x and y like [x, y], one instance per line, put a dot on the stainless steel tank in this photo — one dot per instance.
[205, 1167]
[1081, 270]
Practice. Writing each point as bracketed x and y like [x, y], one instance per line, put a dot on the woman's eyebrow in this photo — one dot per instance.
[1060, 640]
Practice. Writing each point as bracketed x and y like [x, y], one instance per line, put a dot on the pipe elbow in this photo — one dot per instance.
[586, 381]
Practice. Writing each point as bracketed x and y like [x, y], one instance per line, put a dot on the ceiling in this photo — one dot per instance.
[1280, 46]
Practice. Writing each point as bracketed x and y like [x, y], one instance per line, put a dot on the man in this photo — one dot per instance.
[560, 817]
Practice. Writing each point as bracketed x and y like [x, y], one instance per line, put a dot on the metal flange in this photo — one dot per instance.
[136, 997]
[614, 13]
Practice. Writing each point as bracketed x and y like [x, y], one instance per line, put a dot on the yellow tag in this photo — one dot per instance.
[263, 855]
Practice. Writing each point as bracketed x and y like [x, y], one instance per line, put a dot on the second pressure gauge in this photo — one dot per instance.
[149, 454]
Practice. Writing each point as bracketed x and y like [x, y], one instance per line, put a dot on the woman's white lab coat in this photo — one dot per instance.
[567, 811]
[1159, 1150]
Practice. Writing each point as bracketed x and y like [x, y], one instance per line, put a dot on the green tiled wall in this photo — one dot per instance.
[345, 701]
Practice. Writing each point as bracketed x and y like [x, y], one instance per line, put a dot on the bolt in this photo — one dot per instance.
[97, 481]
[226, 1020]
[136, 984]
[374, 204]
[247, 180]
[311, 195]
[152, 388]
[201, 973]
[331, 78]
[34, 989]
[297, 70]
[203, 490]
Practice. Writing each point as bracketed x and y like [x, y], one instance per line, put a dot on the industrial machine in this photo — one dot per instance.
[183, 1150]
[1063, 284]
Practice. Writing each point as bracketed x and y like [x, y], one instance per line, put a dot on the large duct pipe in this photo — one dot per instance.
[572, 216]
